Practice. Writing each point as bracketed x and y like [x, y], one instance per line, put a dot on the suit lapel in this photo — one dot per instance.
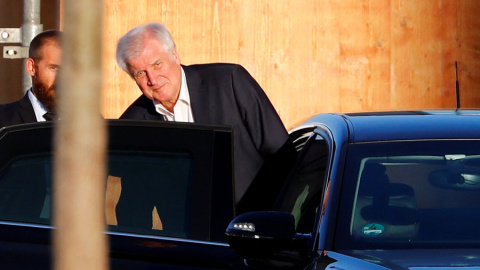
[26, 113]
[197, 88]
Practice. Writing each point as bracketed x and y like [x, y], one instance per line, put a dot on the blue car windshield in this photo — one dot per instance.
[414, 194]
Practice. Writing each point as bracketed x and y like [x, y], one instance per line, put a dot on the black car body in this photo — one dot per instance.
[184, 170]
[391, 190]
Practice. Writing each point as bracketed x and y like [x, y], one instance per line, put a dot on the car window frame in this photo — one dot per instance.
[315, 133]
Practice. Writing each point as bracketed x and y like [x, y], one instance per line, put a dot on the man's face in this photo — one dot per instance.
[157, 73]
[44, 74]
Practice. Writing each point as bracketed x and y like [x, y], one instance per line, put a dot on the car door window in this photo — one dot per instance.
[304, 192]
[147, 193]
[154, 191]
[24, 190]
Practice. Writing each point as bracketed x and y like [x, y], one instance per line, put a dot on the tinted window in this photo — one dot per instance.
[304, 191]
[147, 193]
[422, 194]
[24, 190]
[153, 193]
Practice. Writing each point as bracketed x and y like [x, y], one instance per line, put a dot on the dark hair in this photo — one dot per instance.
[40, 40]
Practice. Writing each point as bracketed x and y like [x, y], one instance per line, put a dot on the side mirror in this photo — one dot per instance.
[267, 238]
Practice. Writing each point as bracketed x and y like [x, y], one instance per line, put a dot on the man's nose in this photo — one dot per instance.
[55, 83]
[151, 79]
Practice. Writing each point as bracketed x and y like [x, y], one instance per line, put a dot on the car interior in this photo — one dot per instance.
[421, 200]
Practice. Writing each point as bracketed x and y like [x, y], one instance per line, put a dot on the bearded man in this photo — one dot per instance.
[38, 104]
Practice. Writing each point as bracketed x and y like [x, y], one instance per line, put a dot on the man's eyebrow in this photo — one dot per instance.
[156, 61]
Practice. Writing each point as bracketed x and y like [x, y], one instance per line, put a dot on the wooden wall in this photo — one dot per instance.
[314, 56]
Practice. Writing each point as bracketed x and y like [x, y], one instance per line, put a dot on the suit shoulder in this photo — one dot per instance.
[218, 69]
[10, 105]
[141, 101]
[10, 108]
[10, 113]
[138, 108]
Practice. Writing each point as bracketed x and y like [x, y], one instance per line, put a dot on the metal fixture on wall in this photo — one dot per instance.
[30, 28]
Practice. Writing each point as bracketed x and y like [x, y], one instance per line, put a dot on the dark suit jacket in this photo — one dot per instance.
[17, 112]
[226, 94]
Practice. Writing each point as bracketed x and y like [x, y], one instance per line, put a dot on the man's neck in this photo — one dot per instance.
[169, 105]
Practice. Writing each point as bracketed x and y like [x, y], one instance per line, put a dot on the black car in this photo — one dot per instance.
[183, 172]
[388, 190]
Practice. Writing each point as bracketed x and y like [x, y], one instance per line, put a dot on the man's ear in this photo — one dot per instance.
[30, 66]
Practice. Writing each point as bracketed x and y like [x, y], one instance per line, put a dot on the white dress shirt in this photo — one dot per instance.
[37, 105]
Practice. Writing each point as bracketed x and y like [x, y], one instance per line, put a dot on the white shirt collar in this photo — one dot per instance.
[37, 105]
[182, 111]
[184, 94]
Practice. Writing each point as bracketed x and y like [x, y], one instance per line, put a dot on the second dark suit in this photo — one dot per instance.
[17, 112]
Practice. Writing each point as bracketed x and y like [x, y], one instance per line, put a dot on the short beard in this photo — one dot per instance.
[46, 94]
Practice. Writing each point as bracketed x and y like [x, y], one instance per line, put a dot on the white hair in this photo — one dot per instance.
[131, 44]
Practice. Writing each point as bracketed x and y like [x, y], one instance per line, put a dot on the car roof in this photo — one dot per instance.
[399, 125]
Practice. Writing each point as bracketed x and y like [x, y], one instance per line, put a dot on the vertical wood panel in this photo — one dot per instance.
[364, 41]
[418, 54]
[469, 52]
[315, 56]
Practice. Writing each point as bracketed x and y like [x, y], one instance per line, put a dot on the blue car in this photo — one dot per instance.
[386, 190]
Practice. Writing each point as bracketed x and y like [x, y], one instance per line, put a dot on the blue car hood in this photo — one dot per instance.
[413, 259]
